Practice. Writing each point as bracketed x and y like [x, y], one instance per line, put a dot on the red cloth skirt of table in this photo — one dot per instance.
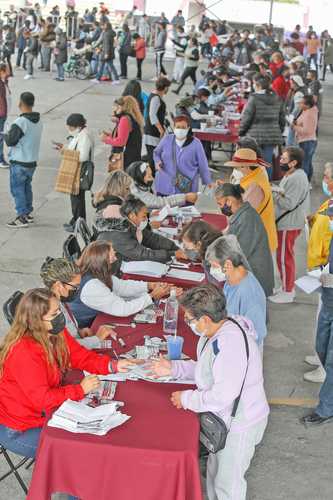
[153, 456]
[230, 138]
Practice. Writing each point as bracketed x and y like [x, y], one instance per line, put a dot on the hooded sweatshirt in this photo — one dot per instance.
[23, 140]
[219, 374]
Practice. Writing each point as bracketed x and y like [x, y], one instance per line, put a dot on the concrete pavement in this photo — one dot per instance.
[292, 462]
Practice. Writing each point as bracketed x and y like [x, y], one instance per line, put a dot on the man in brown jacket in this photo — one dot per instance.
[46, 38]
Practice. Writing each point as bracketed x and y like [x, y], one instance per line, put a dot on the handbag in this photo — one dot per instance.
[213, 430]
[87, 174]
[68, 177]
[116, 162]
[182, 182]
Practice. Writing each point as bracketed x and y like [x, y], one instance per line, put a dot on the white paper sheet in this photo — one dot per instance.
[144, 268]
[162, 215]
[308, 284]
[185, 275]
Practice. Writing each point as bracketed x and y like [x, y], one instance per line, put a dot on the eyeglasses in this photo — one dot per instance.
[75, 287]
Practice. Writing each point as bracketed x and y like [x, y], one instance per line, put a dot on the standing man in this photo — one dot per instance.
[4, 101]
[23, 140]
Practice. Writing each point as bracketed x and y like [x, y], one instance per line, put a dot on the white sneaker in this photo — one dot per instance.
[312, 360]
[4, 165]
[115, 82]
[283, 298]
[318, 375]
[95, 81]
[28, 77]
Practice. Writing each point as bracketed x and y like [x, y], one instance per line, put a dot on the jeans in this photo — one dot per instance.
[19, 57]
[30, 64]
[314, 58]
[20, 188]
[21, 443]
[123, 64]
[267, 153]
[309, 148]
[110, 67]
[46, 58]
[61, 71]
[324, 348]
[2, 126]
[94, 64]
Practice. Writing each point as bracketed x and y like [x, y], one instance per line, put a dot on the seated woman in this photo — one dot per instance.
[101, 291]
[246, 224]
[243, 292]
[142, 188]
[180, 161]
[34, 355]
[219, 374]
[63, 278]
[196, 238]
[114, 192]
[127, 229]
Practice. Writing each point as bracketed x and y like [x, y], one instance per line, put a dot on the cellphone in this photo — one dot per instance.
[58, 144]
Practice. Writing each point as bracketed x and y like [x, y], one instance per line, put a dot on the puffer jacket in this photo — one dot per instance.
[264, 119]
[122, 234]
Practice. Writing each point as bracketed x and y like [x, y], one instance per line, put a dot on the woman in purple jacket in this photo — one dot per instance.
[180, 161]
[219, 374]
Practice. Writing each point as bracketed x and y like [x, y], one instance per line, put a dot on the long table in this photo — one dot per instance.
[154, 455]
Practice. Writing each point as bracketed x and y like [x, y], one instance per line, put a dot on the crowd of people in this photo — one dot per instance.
[154, 164]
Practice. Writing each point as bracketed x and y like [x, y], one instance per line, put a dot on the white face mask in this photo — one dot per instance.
[237, 175]
[143, 224]
[181, 133]
[195, 331]
[218, 274]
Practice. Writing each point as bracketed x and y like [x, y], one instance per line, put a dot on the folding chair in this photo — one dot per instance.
[71, 248]
[14, 468]
[81, 228]
[10, 306]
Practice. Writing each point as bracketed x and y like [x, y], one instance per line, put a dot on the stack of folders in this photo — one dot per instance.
[74, 416]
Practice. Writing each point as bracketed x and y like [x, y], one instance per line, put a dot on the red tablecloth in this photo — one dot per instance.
[230, 138]
[154, 455]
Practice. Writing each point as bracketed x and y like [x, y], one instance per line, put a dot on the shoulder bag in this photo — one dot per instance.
[87, 174]
[213, 430]
[292, 210]
[182, 182]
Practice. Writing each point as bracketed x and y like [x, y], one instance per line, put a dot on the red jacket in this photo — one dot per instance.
[275, 67]
[281, 87]
[140, 48]
[30, 387]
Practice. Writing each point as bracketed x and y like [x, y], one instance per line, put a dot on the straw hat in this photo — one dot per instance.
[243, 157]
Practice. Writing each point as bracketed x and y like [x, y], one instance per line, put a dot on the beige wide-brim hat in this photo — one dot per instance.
[243, 158]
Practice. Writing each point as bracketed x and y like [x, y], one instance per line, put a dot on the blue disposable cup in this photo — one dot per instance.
[175, 346]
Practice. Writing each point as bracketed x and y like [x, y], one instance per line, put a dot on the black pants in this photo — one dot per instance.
[150, 156]
[160, 69]
[188, 72]
[123, 64]
[78, 203]
[325, 69]
[139, 69]
[9, 62]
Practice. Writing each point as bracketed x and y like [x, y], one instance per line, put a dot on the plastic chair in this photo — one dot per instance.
[71, 248]
[9, 307]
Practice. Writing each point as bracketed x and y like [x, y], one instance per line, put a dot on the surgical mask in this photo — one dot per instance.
[143, 225]
[58, 324]
[71, 295]
[325, 189]
[181, 133]
[194, 329]
[331, 225]
[237, 175]
[226, 210]
[217, 273]
[192, 254]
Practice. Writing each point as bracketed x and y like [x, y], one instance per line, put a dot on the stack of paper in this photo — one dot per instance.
[190, 211]
[163, 214]
[74, 416]
[144, 268]
[185, 275]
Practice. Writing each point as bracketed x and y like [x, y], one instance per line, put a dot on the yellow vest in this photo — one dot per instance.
[320, 239]
[266, 208]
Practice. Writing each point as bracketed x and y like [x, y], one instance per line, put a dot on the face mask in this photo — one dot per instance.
[218, 274]
[181, 133]
[194, 329]
[149, 184]
[226, 210]
[331, 225]
[237, 175]
[284, 167]
[58, 324]
[325, 189]
[71, 295]
[143, 224]
[192, 254]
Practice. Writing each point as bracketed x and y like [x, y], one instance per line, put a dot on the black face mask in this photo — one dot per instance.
[284, 167]
[149, 184]
[71, 295]
[226, 210]
[58, 324]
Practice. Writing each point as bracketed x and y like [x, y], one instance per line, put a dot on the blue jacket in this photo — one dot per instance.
[23, 140]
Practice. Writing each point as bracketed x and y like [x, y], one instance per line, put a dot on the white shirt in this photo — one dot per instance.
[83, 143]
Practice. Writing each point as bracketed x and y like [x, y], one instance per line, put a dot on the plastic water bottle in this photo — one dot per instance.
[170, 319]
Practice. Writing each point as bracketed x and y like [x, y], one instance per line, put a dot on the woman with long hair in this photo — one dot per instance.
[126, 137]
[101, 291]
[34, 356]
[134, 89]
